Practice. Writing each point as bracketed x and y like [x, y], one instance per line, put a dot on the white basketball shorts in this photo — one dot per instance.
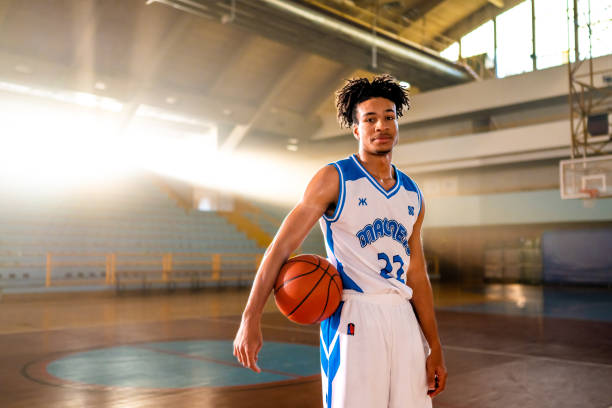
[373, 354]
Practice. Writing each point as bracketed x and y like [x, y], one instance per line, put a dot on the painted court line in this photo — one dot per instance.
[456, 348]
[527, 356]
[212, 360]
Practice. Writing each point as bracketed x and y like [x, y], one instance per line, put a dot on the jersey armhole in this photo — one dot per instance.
[340, 203]
[420, 196]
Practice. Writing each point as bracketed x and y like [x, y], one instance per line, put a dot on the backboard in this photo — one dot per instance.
[581, 176]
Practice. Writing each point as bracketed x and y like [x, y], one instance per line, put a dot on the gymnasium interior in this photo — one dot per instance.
[150, 150]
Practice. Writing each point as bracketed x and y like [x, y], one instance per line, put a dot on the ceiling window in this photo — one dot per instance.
[554, 32]
[554, 35]
[514, 41]
[479, 41]
[452, 52]
[596, 14]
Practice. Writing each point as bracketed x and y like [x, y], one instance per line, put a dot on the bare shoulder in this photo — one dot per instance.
[327, 174]
[323, 188]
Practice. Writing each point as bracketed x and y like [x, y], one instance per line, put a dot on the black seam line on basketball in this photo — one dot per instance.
[293, 260]
[295, 277]
[326, 302]
[337, 287]
[332, 276]
[326, 271]
[327, 296]
[306, 297]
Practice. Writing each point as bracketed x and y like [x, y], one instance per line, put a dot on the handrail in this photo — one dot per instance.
[165, 263]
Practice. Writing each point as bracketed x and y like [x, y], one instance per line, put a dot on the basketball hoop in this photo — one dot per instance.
[590, 194]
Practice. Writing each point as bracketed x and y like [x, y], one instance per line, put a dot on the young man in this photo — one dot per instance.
[374, 351]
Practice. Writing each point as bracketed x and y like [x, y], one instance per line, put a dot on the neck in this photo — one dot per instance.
[378, 166]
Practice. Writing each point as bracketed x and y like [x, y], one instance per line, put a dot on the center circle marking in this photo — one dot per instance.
[184, 364]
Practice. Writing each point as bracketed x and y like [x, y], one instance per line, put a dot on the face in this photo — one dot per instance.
[377, 127]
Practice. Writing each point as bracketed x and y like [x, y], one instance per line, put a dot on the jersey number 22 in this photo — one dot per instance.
[388, 269]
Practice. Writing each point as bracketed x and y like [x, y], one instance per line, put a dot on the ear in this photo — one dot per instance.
[356, 131]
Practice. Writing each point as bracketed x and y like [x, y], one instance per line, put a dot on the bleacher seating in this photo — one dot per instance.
[313, 244]
[131, 217]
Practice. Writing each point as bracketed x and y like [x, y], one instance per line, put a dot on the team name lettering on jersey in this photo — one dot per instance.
[383, 228]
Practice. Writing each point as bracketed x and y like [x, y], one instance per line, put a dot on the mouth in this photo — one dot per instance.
[382, 139]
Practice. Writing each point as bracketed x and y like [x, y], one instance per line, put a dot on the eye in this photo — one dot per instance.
[370, 120]
[390, 117]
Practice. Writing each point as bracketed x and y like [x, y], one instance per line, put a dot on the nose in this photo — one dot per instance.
[381, 125]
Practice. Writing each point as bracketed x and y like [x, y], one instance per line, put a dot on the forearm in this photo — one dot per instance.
[422, 299]
[264, 280]
[291, 234]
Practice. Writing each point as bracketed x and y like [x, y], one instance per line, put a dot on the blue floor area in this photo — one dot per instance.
[558, 302]
[184, 364]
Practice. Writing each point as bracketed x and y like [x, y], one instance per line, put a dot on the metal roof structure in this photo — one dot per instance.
[259, 68]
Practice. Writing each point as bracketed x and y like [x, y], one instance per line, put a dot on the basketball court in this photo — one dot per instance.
[168, 349]
[152, 148]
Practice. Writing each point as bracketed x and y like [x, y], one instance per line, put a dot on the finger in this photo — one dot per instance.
[240, 356]
[441, 384]
[251, 360]
[442, 381]
[431, 379]
[256, 358]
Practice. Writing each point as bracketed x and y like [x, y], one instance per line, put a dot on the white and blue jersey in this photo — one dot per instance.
[367, 236]
[372, 348]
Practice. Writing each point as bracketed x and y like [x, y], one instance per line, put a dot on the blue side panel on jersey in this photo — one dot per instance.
[329, 327]
[347, 282]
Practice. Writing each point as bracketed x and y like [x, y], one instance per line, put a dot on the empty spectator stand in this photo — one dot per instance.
[124, 233]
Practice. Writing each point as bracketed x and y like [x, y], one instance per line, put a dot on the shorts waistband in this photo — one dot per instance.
[377, 298]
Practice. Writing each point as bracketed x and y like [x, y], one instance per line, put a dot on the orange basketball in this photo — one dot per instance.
[308, 289]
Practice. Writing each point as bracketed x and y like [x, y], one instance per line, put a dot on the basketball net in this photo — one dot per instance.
[589, 202]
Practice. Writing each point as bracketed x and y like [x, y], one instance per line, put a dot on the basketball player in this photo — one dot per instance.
[375, 352]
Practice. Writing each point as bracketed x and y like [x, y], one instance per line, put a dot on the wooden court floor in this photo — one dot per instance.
[505, 346]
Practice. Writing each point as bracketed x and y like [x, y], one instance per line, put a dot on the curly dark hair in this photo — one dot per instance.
[358, 90]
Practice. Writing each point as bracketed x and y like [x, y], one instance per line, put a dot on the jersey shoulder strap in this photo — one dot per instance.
[347, 170]
[410, 185]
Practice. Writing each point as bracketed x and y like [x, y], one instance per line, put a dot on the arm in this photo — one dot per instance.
[321, 193]
[422, 299]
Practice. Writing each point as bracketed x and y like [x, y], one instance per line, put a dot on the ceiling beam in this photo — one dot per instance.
[326, 90]
[476, 19]
[497, 3]
[86, 25]
[122, 89]
[46, 74]
[417, 14]
[161, 51]
[290, 72]
[420, 10]
[234, 60]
